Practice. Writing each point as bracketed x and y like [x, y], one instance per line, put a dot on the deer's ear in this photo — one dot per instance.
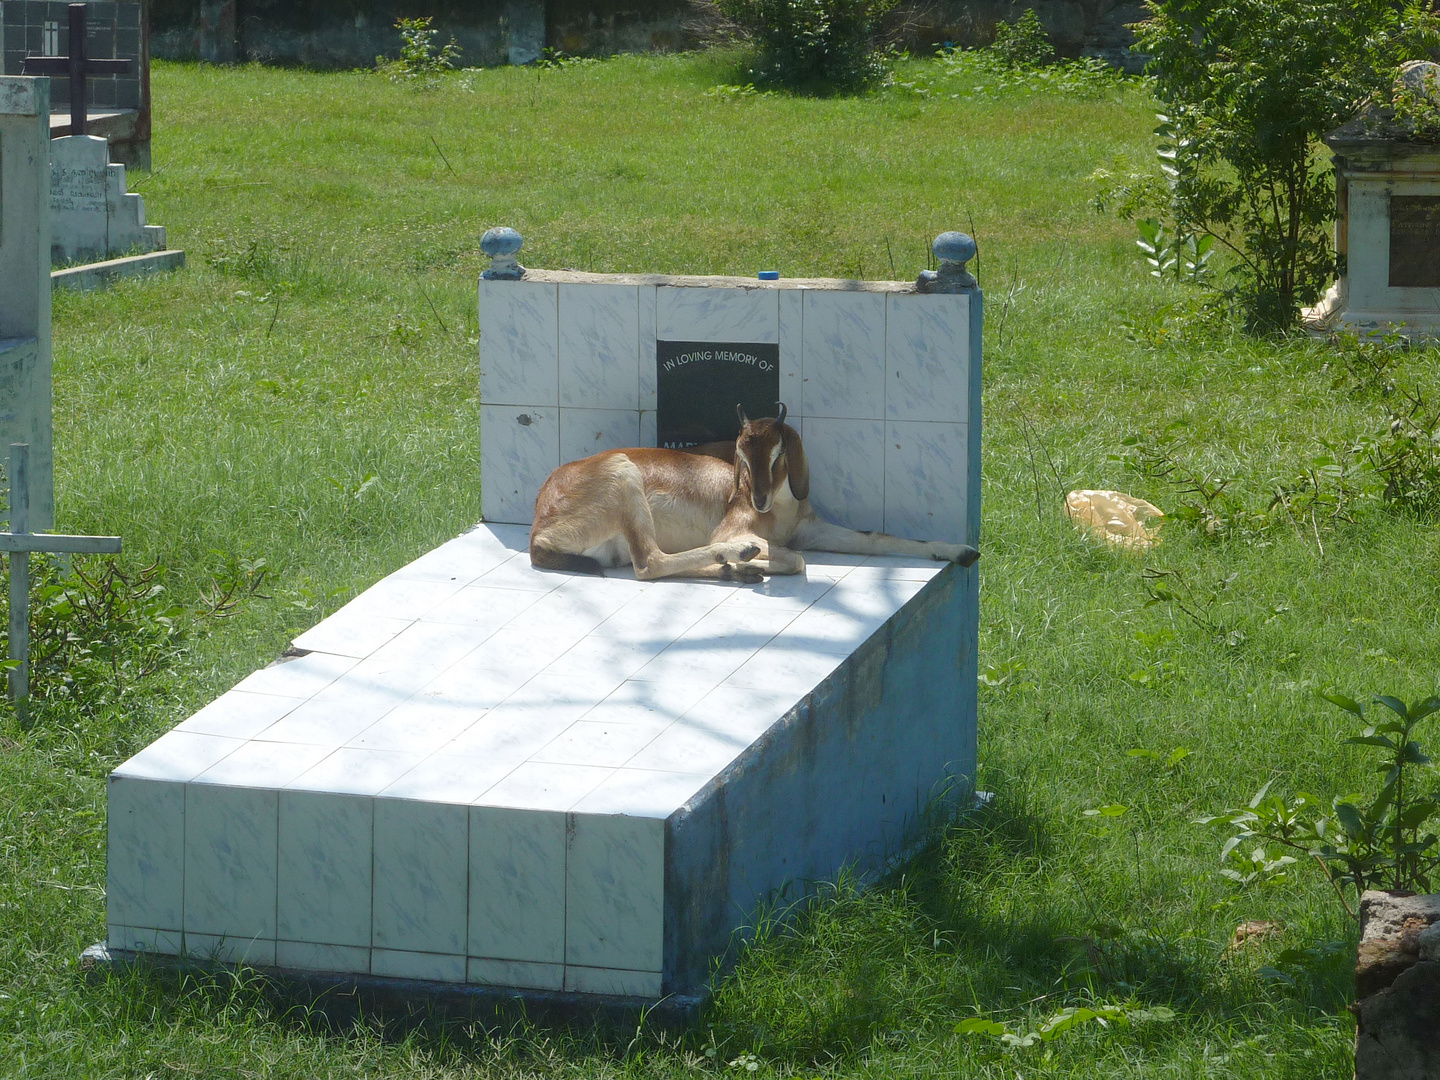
[740, 412]
[798, 468]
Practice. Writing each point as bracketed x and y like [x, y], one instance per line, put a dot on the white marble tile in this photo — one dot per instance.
[462, 559]
[144, 939]
[421, 879]
[925, 478]
[519, 343]
[403, 964]
[264, 764]
[449, 778]
[844, 355]
[356, 634]
[828, 632]
[517, 573]
[420, 654]
[323, 877]
[596, 743]
[862, 595]
[328, 722]
[588, 431]
[399, 597]
[648, 357]
[529, 718]
[688, 747]
[469, 686]
[239, 715]
[747, 712]
[599, 346]
[649, 428]
[519, 448]
[642, 793]
[717, 314]
[230, 862]
[718, 643]
[878, 568]
[515, 973]
[647, 704]
[297, 676]
[783, 592]
[517, 885]
[353, 771]
[178, 756]
[589, 980]
[792, 346]
[230, 948]
[600, 656]
[485, 608]
[533, 786]
[792, 671]
[614, 906]
[419, 725]
[847, 471]
[927, 357]
[144, 880]
[310, 956]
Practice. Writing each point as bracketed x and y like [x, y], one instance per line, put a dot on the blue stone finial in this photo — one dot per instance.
[954, 250]
[501, 244]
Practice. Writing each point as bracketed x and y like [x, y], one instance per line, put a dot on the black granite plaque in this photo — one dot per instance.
[1415, 241]
[699, 383]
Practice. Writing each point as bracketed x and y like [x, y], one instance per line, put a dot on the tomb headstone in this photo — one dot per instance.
[25, 282]
[480, 774]
[1387, 222]
[93, 217]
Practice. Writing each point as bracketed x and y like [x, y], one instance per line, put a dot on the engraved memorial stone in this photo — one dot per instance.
[1415, 241]
[699, 384]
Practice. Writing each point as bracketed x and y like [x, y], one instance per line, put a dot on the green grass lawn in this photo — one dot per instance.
[324, 335]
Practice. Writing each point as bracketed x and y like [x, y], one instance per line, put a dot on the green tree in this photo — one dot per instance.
[1249, 87]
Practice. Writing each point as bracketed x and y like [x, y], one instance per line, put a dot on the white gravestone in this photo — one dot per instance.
[25, 283]
[93, 216]
[1387, 223]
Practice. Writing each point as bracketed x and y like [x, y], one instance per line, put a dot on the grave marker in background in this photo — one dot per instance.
[1387, 223]
[25, 282]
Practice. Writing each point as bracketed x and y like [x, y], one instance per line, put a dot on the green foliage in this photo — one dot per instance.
[1185, 258]
[1066, 1020]
[812, 45]
[1384, 841]
[421, 61]
[1250, 85]
[1023, 43]
[982, 73]
[96, 633]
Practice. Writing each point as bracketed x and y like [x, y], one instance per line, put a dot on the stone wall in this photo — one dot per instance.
[333, 33]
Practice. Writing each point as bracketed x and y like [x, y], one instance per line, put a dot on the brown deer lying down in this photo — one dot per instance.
[673, 513]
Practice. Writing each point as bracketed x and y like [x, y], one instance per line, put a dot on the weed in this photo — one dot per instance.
[1382, 841]
[1023, 43]
[421, 61]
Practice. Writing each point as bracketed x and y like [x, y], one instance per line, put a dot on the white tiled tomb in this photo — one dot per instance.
[488, 773]
[477, 772]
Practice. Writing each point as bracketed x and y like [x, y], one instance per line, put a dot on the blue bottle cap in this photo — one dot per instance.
[769, 275]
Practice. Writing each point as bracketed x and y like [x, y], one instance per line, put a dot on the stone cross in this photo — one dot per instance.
[77, 66]
[19, 542]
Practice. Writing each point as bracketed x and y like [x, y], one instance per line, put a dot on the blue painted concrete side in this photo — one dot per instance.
[846, 778]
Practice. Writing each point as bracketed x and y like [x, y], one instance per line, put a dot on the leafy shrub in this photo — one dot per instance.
[1023, 43]
[812, 44]
[97, 632]
[1384, 841]
[982, 73]
[1249, 86]
[421, 61]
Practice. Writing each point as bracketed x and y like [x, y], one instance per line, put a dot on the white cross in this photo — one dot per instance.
[19, 542]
